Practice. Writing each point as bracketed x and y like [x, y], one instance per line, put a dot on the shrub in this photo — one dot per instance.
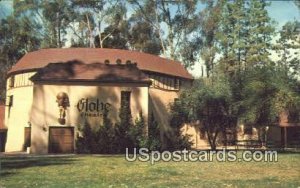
[153, 142]
[86, 142]
[136, 133]
[109, 138]
[105, 136]
[174, 138]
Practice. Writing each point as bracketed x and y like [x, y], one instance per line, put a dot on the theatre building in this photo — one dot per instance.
[52, 91]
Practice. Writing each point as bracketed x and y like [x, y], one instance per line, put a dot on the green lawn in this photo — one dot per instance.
[115, 171]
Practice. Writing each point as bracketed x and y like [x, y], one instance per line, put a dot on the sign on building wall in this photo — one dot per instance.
[88, 107]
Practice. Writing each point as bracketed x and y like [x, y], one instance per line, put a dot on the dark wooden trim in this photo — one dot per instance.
[27, 137]
[168, 75]
[10, 73]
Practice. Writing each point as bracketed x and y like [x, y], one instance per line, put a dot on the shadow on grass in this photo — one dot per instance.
[9, 165]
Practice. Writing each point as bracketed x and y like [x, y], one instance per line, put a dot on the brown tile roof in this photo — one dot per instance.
[78, 71]
[2, 115]
[146, 62]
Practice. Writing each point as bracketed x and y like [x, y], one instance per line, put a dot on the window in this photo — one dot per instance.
[176, 83]
[125, 99]
[171, 84]
[11, 82]
[163, 82]
[23, 79]
[152, 80]
[156, 83]
[9, 101]
[166, 83]
[159, 85]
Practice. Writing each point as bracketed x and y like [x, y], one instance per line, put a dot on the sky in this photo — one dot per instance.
[283, 11]
[280, 11]
[5, 8]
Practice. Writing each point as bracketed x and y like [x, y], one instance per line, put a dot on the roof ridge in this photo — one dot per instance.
[145, 61]
[110, 49]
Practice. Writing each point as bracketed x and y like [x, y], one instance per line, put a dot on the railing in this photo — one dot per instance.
[248, 144]
[258, 144]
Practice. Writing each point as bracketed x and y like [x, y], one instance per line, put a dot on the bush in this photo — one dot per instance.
[86, 142]
[109, 138]
[152, 142]
[175, 139]
[105, 136]
[137, 132]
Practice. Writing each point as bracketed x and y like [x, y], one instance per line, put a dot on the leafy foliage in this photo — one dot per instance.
[180, 111]
[268, 92]
[287, 48]
[209, 103]
[109, 138]
[153, 142]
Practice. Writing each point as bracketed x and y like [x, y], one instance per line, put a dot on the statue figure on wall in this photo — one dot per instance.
[63, 102]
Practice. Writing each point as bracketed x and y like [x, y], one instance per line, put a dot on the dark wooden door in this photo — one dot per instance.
[61, 140]
[27, 137]
[3, 133]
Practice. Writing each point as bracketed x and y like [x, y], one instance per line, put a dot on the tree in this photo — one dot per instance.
[105, 135]
[58, 16]
[288, 46]
[297, 3]
[86, 15]
[104, 23]
[175, 140]
[15, 41]
[245, 35]
[179, 25]
[87, 141]
[209, 20]
[244, 42]
[153, 141]
[124, 125]
[259, 33]
[209, 103]
[143, 37]
[50, 19]
[268, 92]
[148, 12]
[137, 132]
[117, 37]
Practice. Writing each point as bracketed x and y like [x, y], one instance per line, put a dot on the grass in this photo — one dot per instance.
[115, 171]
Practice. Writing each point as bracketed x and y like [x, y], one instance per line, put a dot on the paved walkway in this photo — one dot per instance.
[25, 154]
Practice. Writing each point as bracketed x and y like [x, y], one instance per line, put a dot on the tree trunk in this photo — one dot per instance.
[92, 44]
[158, 28]
[100, 37]
[58, 30]
[212, 138]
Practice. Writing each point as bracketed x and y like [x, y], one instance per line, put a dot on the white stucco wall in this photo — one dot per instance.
[36, 105]
[17, 116]
[45, 111]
